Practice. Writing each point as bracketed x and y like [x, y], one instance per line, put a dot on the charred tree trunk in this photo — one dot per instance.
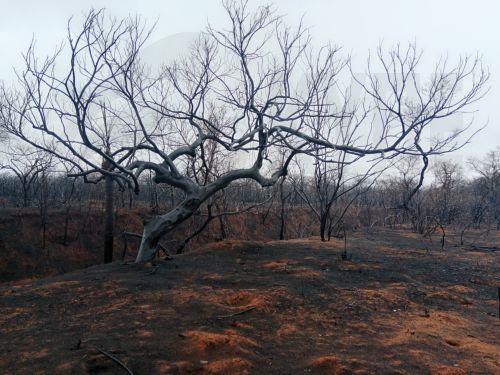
[282, 213]
[66, 226]
[323, 227]
[222, 225]
[25, 195]
[109, 219]
[43, 194]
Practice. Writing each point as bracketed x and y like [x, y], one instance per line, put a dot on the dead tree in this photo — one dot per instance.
[28, 165]
[331, 191]
[488, 185]
[236, 90]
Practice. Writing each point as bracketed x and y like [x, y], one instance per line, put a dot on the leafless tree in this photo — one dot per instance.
[409, 202]
[488, 185]
[28, 165]
[235, 89]
[448, 177]
[332, 189]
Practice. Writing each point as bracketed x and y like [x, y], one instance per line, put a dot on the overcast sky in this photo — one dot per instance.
[438, 27]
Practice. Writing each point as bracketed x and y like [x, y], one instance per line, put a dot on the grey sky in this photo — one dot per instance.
[438, 27]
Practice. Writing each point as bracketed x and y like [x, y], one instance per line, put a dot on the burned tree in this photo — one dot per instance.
[488, 188]
[29, 165]
[236, 90]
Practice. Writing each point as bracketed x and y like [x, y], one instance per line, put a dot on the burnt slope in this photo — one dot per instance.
[397, 306]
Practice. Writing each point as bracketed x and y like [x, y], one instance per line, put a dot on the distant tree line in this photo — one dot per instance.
[327, 204]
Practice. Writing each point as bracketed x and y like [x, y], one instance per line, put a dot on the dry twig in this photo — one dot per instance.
[237, 313]
[116, 360]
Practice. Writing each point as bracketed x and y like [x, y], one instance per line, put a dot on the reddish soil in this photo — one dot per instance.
[399, 305]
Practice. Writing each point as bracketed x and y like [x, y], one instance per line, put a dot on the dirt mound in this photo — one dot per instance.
[327, 365]
[246, 299]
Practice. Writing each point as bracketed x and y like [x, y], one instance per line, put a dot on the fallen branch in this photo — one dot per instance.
[116, 360]
[237, 313]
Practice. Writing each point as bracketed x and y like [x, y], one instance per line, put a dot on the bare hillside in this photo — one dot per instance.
[397, 304]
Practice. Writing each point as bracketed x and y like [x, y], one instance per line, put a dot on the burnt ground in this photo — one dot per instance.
[398, 305]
